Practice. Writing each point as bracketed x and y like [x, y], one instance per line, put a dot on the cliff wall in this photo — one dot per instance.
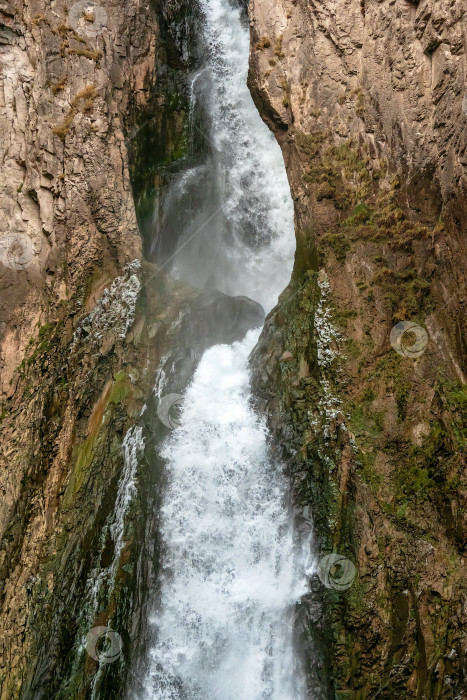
[76, 362]
[362, 366]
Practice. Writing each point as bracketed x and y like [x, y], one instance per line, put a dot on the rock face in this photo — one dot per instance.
[68, 229]
[367, 100]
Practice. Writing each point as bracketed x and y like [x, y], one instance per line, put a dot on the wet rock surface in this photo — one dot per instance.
[212, 318]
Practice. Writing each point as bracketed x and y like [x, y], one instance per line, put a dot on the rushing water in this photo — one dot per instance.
[232, 569]
[234, 211]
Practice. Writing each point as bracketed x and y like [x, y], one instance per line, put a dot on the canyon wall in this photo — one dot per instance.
[83, 325]
[362, 366]
[73, 361]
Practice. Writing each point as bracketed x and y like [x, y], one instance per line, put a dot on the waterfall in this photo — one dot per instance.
[232, 568]
[232, 214]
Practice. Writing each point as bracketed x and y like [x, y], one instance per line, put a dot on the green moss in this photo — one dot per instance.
[160, 141]
[352, 348]
[432, 470]
[339, 243]
[45, 330]
[391, 368]
[367, 463]
[120, 389]
[413, 482]
[403, 389]
[365, 422]
[309, 144]
[387, 460]
[442, 449]
[405, 293]
[456, 404]
[306, 257]
[43, 345]
[341, 173]
[84, 454]
[325, 191]
[359, 215]
[340, 317]
[380, 260]
[356, 598]
[368, 394]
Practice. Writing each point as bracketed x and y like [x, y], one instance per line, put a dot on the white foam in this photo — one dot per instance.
[232, 571]
[240, 239]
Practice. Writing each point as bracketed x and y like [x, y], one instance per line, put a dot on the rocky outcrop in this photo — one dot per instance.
[367, 100]
[74, 365]
[68, 230]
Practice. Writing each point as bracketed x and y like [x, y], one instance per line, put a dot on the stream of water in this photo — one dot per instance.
[232, 567]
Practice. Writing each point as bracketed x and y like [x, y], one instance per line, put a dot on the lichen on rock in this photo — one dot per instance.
[114, 312]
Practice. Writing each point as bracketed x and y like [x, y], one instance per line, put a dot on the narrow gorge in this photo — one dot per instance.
[232, 349]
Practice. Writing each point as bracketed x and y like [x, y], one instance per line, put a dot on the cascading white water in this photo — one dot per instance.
[240, 237]
[232, 568]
